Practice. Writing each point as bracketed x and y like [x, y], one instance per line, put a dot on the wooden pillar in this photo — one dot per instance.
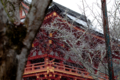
[107, 40]
[28, 62]
[37, 77]
[46, 59]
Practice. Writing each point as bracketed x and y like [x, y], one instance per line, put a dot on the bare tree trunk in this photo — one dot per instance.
[13, 56]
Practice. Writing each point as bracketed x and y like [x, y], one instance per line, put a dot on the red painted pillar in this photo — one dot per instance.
[28, 62]
[46, 60]
[37, 77]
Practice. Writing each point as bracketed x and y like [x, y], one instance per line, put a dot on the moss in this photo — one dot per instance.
[16, 34]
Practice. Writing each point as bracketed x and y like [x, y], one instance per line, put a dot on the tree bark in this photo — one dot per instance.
[13, 56]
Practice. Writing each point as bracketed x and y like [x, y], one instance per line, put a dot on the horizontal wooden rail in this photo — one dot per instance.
[58, 67]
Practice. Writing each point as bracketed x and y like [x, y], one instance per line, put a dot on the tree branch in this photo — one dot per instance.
[33, 22]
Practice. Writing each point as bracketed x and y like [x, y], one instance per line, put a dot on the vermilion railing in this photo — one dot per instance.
[34, 67]
[70, 69]
[58, 67]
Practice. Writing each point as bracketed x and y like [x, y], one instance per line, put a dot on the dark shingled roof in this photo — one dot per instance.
[61, 10]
